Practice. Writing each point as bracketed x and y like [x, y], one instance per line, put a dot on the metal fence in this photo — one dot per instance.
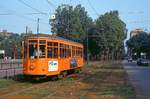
[10, 68]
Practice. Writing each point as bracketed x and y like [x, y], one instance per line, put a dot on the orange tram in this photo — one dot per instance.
[45, 55]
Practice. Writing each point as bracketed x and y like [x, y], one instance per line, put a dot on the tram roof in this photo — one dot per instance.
[50, 36]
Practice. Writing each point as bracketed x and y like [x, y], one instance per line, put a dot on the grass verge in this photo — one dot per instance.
[99, 80]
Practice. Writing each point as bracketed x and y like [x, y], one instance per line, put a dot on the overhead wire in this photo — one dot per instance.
[90, 4]
[51, 4]
[24, 3]
[135, 12]
[21, 1]
[19, 15]
[33, 13]
[141, 21]
[131, 12]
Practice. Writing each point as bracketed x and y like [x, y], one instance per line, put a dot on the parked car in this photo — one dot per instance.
[130, 59]
[142, 62]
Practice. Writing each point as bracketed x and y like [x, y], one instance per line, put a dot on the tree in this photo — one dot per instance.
[139, 43]
[106, 35]
[112, 32]
[10, 44]
[71, 23]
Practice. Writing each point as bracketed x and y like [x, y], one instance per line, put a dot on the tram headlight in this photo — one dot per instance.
[43, 69]
[32, 67]
[24, 68]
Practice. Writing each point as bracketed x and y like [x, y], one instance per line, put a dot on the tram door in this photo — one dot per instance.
[32, 54]
[37, 55]
[33, 51]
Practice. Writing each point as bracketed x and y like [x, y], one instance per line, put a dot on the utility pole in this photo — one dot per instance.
[38, 25]
[15, 51]
[26, 29]
[87, 53]
[68, 23]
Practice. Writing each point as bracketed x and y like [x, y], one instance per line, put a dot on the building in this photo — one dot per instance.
[130, 51]
[136, 32]
[5, 33]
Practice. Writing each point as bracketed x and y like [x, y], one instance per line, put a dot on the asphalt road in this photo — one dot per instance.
[140, 78]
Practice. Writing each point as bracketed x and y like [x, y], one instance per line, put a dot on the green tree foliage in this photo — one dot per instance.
[139, 43]
[71, 23]
[11, 44]
[106, 34]
[112, 32]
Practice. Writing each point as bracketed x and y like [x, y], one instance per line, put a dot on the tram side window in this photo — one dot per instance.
[81, 52]
[52, 50]
[49, 52]
[65, 51]
[55, 52]
[62, 52]
[73, 52]
[55, 44]
[77, 52]
[68, 52]
[42, 51]
[32, 51]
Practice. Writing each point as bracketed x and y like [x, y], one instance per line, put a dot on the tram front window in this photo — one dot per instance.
[33, 51]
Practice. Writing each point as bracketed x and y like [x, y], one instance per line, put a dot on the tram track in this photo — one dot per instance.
[31, 87]
[8, 94]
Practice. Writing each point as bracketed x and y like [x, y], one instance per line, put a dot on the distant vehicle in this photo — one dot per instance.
[130, 59]
[142, 62]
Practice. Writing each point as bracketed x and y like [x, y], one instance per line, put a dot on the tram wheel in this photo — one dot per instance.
[54, 78]
[62, 75]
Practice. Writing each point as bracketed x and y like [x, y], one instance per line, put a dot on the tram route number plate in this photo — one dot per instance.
[52, 66]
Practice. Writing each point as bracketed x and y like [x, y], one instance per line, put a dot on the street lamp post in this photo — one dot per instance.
[87, 53]
[87, 41]
[51, 23]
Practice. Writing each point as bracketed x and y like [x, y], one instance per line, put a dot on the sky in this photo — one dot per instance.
[15, 15]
